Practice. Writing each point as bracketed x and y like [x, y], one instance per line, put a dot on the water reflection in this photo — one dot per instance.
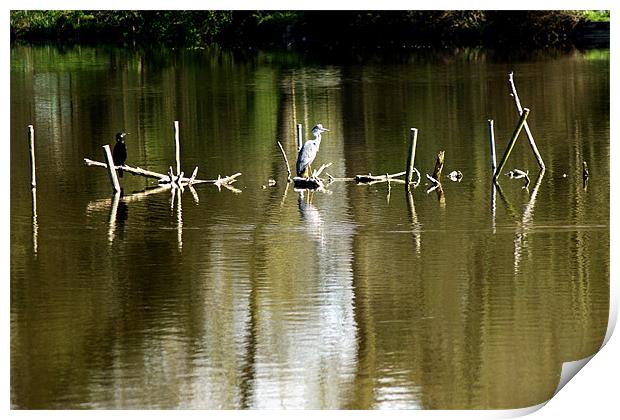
[179, 218]
[310, 217]
[526, 222]
[35, 223]
[274, 299]
[494, 187]
[112, 222]
[415, 224]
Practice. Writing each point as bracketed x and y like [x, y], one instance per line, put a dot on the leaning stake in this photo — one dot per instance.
[527, 127]
[492, 140]
[512, 142]
[413, 140]
[33, 178]
[111, 169]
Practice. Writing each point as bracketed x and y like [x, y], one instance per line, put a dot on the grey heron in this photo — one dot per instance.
[309, 150]
[119, 155]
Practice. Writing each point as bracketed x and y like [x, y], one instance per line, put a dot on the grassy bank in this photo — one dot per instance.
[304, 29]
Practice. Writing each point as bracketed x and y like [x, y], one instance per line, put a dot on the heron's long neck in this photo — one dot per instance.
[317, 139]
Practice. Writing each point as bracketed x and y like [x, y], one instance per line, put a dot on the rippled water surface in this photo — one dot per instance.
[359, 297]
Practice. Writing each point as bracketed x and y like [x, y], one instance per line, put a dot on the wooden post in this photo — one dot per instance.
[527, 127]
[33, 177]
[439, 165]
[512, 142]
[492, 140]
[300, 142]
[111, 169]
[177, 147]
[413, 141]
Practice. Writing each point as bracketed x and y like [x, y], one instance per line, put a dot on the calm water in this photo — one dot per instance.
[361, 297]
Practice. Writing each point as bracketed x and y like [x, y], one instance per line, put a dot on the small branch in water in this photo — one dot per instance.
[433, 180]
[226, 185]
[318, 172]
[133, 171]
[439, 164]
[334, 179]
[225, 182]
[518, 174]
[193, 177]
[163, 178]
[366, 179]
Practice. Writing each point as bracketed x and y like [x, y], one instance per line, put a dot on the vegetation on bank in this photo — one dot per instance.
[304, 29]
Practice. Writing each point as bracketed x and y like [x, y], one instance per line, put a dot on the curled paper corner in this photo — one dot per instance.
[614, 297]
[519, 412]
[569, 370]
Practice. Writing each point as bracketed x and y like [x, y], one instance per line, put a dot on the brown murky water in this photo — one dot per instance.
[361, 297]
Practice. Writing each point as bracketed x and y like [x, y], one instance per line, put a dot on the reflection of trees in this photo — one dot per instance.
[304, 332]
[281, 303]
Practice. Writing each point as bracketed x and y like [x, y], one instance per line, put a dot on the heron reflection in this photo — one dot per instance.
[311, 218]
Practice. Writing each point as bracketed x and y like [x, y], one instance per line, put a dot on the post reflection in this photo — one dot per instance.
[179, 220]
[112, 219]
[35, 223]
[415, 224]
[526, 223]
[119, 212]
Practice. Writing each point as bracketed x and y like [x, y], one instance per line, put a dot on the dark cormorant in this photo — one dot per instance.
[120, 152]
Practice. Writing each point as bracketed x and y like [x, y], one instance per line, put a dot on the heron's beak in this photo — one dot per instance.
[325, 129]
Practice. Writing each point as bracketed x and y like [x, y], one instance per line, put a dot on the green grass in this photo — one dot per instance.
[304, 29]
[595, 15]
